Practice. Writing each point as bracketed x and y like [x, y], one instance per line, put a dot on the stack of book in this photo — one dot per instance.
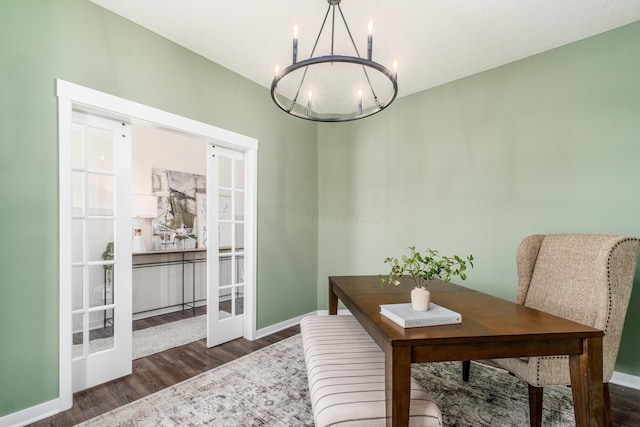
[405, 316]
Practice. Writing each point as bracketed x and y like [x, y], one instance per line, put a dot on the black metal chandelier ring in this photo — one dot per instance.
[289, 92]
[331, 59]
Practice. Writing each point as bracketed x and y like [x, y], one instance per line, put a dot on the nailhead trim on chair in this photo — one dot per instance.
[540, 358]
[610, 308]
[609, 278]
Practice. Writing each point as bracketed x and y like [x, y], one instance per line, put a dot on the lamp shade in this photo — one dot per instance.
[144, 206]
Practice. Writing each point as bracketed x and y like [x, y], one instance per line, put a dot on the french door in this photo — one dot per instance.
[79, 370]
[226, 285]
[100, 261]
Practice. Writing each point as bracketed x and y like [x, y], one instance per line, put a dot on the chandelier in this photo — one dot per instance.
[332, 87]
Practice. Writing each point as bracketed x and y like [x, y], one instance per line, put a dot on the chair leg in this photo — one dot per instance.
[466, 368]
[608, 419]
[535, 405]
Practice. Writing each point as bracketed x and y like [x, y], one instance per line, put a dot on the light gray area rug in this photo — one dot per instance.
[265, 388]
[492, 397]
[163, 337]
[158, 338]
[269, 388]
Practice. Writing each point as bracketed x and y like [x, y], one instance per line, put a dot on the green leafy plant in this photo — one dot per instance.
[108, 255]
[426, 266]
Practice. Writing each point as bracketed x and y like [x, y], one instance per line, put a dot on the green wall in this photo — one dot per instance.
[548, 144]
[77, 41]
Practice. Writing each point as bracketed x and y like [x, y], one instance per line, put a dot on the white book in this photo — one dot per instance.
[405, 316]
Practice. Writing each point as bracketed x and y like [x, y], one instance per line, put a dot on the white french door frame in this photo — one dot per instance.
[223, 329]
[72, 96]
[93, 366]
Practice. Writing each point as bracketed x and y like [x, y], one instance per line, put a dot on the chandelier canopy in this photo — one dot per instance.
[332, 87]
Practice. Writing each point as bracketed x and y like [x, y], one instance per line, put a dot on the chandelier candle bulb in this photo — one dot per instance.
[395, 70]
[359, 101]
[295, 44]
[309, 96]
[370, 41]
[277, 69]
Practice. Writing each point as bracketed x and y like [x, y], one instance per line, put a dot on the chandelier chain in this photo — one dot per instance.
[304, 75]
[373, 92]
[353, 43]
[333, 26]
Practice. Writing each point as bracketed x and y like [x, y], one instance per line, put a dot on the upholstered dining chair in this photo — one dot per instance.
[586, 278]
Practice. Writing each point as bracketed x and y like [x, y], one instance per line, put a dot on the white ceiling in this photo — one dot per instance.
[434, 41]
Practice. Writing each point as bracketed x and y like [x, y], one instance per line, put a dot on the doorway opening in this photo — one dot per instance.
[169, 265]
[243, 151]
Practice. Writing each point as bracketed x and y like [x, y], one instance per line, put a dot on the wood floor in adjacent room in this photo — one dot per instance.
[158, 371]
[161, 370]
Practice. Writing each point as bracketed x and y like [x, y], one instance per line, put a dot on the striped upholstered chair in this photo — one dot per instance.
[584, 278]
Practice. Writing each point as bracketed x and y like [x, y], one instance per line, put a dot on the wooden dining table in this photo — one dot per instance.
[491, 328]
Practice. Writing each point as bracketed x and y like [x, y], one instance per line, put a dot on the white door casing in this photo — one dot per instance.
[75, 97]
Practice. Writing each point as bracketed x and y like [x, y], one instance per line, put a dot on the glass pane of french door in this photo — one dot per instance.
[231, 240]
[100, 248]
[93, 224]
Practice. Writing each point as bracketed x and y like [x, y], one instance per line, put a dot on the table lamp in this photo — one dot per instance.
[142, 207]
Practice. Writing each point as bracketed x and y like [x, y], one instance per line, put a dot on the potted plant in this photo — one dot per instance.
[107, 255]
[423, 268]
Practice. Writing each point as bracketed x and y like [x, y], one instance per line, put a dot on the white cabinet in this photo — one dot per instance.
[167, 280]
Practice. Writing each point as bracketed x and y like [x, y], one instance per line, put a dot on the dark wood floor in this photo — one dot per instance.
[161, 370]
[158, 371]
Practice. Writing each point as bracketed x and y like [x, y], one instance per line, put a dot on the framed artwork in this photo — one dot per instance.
[175, 225]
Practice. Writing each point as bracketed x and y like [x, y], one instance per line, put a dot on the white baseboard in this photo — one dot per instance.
[261, 333]
[626, 380]
[30, 415]
[293, 322]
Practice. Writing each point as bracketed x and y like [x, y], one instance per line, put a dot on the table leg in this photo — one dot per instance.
[586, 384]
[333, 300]
[397, 375]
[182, 281]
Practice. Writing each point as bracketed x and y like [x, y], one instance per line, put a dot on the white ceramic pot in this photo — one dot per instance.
[420, 299]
